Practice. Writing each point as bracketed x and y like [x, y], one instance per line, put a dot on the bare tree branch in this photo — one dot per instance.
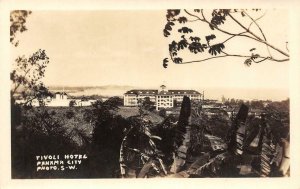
[257, 19]
[18, 84]
[235, 55]
[239, 34]
[257, 38]
[254, 21]
[198, 18]
[217, 28]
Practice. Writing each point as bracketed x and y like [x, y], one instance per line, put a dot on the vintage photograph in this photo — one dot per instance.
[170, 93]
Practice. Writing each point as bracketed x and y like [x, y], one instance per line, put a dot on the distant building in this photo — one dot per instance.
[61, 96]
[162, 98]
[60, 99]
[132, 97]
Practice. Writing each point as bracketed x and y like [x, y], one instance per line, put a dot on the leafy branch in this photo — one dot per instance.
[18, 21]
[27, 74]
[219, 17]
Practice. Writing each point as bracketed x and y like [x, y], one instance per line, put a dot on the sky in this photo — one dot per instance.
[115, 47]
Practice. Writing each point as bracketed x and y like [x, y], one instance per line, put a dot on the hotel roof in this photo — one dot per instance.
[164, 93]
[155, 92]
[140, 92]
[183, 92]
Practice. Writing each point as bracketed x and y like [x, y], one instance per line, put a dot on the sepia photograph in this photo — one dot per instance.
[165, 93]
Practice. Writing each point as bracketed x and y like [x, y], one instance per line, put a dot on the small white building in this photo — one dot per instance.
[60, 99]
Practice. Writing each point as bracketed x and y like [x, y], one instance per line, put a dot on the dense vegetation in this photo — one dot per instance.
[98, 131]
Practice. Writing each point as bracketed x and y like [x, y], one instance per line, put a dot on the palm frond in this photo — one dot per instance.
[268, 149]
[213, 166]
[183, 120]
[122, 153]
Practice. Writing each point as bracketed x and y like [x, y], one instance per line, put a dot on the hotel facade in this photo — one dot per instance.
[162, 98]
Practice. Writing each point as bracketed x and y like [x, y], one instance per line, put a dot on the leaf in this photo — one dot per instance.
[210, 37]
[216, 49]
[248, 62]
[166, 33]
[169, 25]
[213, 166]
[165, 62]
[171, 13]
[196, 39]
[252, 49]
[183, 120]
[254, 56]
[182, 44]
[156, 137]
[266, 155]
[219, 16]
[178, 60]
[173, 46]
[182, 20]
[196, 47]
[185, 30]
[225, 12]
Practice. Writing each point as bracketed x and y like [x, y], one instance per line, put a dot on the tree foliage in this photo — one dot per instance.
[27, 72]
[34, 131]
[208, 45]
[147, 104]
[108, 133]
[26, 77]
[18, 21]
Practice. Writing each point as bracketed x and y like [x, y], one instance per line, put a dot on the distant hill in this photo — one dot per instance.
[105, 90]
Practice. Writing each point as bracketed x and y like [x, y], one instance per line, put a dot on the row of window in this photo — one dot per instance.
[164, 96]
[165, 104]
[164, 101]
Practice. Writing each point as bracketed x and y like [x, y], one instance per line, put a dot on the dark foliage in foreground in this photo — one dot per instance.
[41, 132]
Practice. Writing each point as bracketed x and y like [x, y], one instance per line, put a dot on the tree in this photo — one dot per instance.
[26, 77]
[17, 20]
[190, 25]
[257, 104]
[108, 133]
[27, 72]
[31, 131]
[72, 103]
[147, 104]
[162, 112]
[114, 102]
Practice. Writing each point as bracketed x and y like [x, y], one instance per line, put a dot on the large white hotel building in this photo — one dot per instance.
[163, 98]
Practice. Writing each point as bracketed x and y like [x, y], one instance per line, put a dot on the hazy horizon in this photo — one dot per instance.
[210, 93]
